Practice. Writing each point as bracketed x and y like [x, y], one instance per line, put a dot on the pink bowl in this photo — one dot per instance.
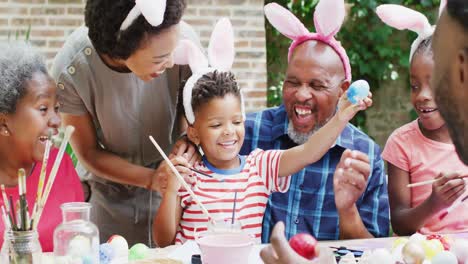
[225, 248]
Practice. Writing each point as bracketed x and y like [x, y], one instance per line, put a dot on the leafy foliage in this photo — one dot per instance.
[377, 52]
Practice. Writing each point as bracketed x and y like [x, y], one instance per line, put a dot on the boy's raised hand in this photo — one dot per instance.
[346, 110]
[448, 188]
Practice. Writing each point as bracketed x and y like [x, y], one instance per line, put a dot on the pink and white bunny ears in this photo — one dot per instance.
[152, 10]
[220, 57]
[328, 18]
[401, 18]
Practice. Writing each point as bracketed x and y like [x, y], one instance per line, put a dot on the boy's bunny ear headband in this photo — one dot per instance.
[152, 10]
[328, 18]
[401, 18]
[220, 57]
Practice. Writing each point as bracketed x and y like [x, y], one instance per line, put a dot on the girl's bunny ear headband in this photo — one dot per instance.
[328, 18]
[220, 57]
[152, 10]
[402, 18]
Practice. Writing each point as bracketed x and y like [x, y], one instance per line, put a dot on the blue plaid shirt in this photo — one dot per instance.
[309, 205]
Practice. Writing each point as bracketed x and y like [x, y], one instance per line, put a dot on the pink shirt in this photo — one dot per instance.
[408, 149]
[253, 181]
[66, 188]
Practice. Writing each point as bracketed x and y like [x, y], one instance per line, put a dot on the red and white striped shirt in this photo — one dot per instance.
[253, 181]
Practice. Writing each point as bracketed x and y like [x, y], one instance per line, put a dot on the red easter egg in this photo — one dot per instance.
[304, 245]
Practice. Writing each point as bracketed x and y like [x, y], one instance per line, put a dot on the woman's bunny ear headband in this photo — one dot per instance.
[220, 57]
[401, 18]
[328, 18]
[152, 10]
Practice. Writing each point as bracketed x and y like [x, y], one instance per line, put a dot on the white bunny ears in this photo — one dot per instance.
[152, 10]
[328, 18]
[401, 18]
[220, 57]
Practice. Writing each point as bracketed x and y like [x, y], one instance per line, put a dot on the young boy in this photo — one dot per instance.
[219, 131]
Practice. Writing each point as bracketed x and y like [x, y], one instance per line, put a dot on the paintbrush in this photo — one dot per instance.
[411, 185]
[182, 181]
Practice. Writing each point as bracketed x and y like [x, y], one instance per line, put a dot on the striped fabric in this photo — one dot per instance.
[309, 205]
[254, 180]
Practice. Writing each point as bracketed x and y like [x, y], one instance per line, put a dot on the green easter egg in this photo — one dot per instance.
[138, 251]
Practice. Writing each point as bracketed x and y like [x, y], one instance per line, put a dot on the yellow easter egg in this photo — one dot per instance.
[432, 247]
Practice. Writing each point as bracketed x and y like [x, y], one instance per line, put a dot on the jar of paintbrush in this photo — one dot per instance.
[21, 247]
[21, 241]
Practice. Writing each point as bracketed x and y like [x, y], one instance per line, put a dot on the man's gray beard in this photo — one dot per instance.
[299, 137]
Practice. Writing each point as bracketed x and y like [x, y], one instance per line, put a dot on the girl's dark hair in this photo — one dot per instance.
[424, 48]
[458, 9]
[104, 18]
[213, 85]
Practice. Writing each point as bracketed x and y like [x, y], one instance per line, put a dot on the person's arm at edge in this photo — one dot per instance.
[167, 219]
[100, 162]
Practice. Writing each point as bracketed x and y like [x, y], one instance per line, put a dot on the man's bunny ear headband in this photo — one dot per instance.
[152, 10]
[401, 18]
[328, 18]
[220, 57]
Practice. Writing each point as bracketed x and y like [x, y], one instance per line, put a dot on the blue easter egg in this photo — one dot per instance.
[106, 253]
[358, 90]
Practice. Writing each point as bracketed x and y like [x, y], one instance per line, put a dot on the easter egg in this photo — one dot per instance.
[442, 240]
[138, 251]
[413, 253]
[432, 248]
[79, 246]
[445, 257]
[119, 244]
[458, 248]
[399, 241]
[106, 253]
[417, 237]
[304, 245]
[357, 91]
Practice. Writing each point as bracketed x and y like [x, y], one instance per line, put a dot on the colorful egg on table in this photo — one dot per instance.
[304, 245]
[398, 242]
[459, 249]
[417, 237]
[413, 253]
[106, 253]
[357, 91]
[445, 257]
[432, 248]
[119, 244]
[138, 251]
[79, 246]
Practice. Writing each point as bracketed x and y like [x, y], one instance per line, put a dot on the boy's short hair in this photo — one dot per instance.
[211, 85]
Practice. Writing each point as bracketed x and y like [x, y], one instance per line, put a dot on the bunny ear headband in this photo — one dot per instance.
[152, 10]
[401, 18]
[220, 57]
[328, 18]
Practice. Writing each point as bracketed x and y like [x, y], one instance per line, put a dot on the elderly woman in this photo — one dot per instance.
[28, 111]
[116, 91]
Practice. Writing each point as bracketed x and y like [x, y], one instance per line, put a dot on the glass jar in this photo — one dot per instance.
[21, 247]
[76, 239]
